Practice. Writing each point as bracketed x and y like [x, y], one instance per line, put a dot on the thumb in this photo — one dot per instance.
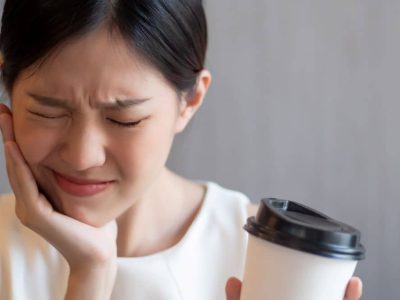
[232, 289]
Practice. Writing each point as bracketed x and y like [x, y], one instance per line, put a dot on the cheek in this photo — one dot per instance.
[144, 153]
[35, 143]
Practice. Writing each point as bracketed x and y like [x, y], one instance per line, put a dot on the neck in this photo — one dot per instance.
[161, 218]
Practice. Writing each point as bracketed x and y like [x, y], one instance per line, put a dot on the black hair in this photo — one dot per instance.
[169, 34]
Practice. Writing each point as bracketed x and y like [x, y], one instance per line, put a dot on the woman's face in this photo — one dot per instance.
[95, 124]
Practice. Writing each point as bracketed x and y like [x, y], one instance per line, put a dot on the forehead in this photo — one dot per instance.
[97, 60]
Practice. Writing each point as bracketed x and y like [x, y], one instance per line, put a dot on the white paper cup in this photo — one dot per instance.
[283, 262]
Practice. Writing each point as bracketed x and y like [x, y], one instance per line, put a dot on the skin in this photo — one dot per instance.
[83, 140]
[83, 143]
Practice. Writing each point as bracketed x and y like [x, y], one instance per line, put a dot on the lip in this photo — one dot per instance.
[80, 187]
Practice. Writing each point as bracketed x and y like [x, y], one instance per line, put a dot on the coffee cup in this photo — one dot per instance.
[297, 253]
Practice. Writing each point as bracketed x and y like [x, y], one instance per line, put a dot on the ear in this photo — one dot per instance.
[189, 106]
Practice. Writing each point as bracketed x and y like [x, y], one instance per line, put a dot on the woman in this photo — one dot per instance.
[98, 90]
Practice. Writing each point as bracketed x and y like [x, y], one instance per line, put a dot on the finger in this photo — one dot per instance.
[232, 289]
[29, 202]
[22, 180]
[354, 289]
[6, 126]
[10, 167]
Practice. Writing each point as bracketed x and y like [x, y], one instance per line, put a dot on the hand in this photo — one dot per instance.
[353, 291]
[87, 249]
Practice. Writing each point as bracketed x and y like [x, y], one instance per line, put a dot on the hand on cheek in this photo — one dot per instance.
[80, 244]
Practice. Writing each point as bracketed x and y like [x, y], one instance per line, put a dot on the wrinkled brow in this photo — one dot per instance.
[62, 103]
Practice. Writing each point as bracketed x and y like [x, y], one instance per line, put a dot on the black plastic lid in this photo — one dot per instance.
[296, 226]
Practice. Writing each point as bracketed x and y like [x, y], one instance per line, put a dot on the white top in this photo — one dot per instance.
[197, 267]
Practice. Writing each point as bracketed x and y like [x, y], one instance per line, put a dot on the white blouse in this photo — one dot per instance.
[197, 267]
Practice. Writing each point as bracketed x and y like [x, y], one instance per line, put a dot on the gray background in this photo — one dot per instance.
[304, 106]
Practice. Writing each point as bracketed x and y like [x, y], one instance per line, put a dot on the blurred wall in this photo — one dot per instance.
[304, 106]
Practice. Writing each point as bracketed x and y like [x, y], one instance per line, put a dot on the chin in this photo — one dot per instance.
[80, 213]
[88, 213]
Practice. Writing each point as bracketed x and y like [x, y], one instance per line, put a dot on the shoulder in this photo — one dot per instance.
[227, 206]
[6, 199]
[17, 240]
[7, 215]
[12, 232]
[25, 254]
[223, 194]
[229, 198]
[252, 209]
[226, 212]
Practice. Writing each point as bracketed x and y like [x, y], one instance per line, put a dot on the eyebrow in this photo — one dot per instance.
[62, 103]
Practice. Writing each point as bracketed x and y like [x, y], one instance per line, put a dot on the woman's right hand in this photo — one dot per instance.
[90, 252]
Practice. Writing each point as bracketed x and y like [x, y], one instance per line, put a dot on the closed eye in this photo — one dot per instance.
[115, 122]
[46, 116]
[124, 124]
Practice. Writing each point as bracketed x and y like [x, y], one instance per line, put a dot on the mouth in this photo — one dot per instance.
[81, 187]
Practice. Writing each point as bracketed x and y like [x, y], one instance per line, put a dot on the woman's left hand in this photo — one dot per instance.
[353, 291]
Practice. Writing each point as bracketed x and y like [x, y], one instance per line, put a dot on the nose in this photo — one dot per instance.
[83, 148]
